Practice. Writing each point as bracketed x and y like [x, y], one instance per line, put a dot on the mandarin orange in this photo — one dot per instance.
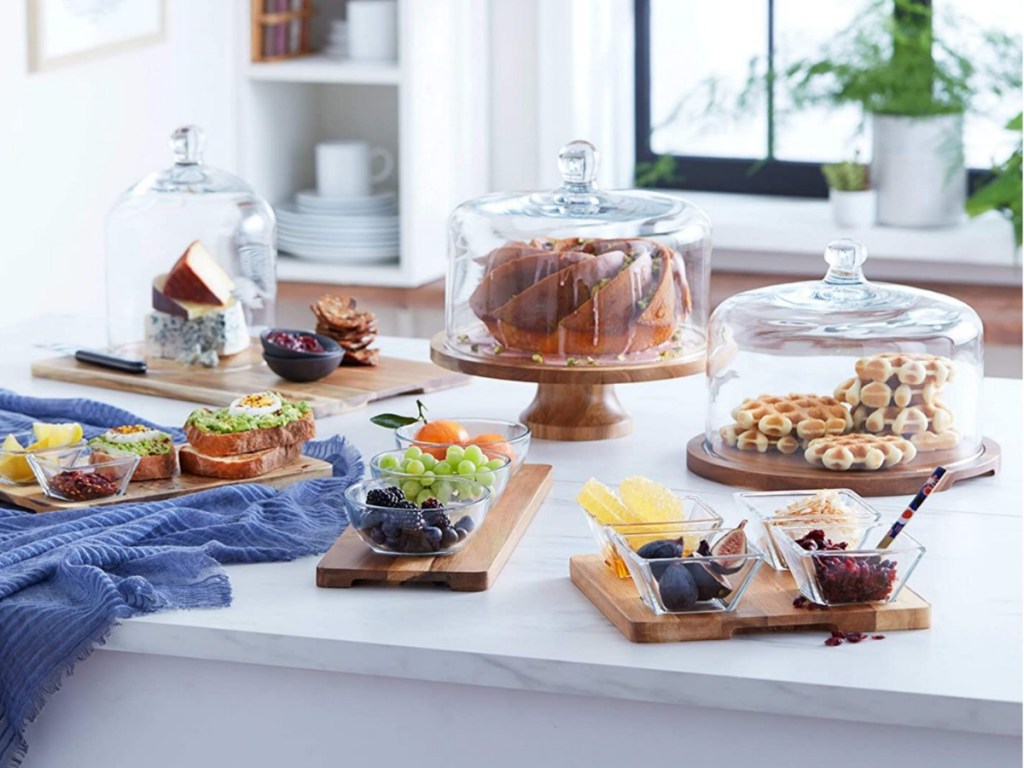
[442, 433]
[492, 442]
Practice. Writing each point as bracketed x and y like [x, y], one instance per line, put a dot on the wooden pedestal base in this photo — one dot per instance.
[774, 472]
[577, 412]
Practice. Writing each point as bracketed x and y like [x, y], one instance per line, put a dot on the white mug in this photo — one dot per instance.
[343, 168]
[372, 30]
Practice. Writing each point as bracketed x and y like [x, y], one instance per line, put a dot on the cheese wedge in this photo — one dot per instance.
[197, 277]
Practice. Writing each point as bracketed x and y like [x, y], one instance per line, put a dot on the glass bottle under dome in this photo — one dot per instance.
[578, 276]
[844, 374]
[199, 308]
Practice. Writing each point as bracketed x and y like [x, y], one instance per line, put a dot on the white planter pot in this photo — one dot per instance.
[853, 210]
[917, 166]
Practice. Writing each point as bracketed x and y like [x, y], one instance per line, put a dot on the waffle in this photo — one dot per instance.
[931, 441]
[903, 421]
[912, 369]
[810, 416]
[882, 394]
[859, 451]
[752, 439]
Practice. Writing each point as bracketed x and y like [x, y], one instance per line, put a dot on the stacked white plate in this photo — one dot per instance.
[337, 41]
[340, 230]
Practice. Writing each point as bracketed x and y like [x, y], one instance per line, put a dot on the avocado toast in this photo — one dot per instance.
[155, 449]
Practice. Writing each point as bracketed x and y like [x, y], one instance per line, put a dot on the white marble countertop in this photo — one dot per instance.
[535, 631]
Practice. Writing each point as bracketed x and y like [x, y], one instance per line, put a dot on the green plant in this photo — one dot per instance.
[650, 174]
[848, 176]
[1002, 193]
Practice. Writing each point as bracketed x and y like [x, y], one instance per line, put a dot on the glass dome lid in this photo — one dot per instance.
[844, 374]
[578, 275]
[189, 175]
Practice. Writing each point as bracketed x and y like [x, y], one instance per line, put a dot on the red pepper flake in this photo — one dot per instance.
[79, 485]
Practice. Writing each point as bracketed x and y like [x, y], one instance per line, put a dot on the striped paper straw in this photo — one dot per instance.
[912, 507]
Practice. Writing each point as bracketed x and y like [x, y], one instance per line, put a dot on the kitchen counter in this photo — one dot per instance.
[530, 670]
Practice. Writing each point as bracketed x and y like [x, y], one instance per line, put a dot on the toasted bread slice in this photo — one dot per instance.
[231, 443]
[240, 466]
[156, 467]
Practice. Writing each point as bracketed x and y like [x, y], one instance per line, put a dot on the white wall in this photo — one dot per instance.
[73, 138]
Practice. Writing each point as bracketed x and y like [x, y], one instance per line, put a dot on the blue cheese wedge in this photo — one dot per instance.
[222, 332]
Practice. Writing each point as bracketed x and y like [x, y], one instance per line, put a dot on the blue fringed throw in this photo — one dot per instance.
[67, 577]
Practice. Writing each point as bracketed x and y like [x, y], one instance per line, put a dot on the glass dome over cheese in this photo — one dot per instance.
[844, 374]
[578, 276]
[191, 262]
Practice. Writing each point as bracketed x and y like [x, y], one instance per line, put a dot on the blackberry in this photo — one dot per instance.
[406, 505]
[408, 520]
[437, 518]
[385, 497]
[431, 504]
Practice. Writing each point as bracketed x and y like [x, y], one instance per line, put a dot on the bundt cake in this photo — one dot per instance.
[582, 297]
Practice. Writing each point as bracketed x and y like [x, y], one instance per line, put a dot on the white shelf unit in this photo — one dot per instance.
[430, 109]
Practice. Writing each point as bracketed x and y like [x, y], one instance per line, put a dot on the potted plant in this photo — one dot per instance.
[915, 84]
[850, 194]
[1003, 192]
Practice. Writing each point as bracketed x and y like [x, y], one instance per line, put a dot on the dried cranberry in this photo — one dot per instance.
[296, 342]
[834, 641]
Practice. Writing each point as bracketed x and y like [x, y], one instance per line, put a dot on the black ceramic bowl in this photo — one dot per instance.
[309, 368]
[330, 345]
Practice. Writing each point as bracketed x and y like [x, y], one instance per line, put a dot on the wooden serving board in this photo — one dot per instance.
[767, 606]
[347, 389]
[472, 569]
[31, 496]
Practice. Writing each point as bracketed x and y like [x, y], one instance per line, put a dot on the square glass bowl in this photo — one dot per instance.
[14, 466]
[767, 512]
[699, 516]
[73, 475]
[711, 583]
[861, 573]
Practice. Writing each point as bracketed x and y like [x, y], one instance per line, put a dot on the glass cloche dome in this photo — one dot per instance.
[844, 374]
[191, 262]
[578, 276]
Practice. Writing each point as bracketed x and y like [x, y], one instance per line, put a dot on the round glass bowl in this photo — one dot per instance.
[578, 276]
[14, 465]
[417, 532]
[844, 374]
[419, 485]
[74, 475]
[504, 437]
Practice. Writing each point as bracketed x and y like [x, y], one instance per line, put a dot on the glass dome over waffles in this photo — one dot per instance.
[844, 375]
[578, 276]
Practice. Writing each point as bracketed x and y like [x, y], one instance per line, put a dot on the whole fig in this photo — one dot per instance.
[677, 587]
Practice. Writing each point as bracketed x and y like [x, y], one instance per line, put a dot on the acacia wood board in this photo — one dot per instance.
[775, 472]
[767, 606]
[347, 389]
[474, 568]
[31, 497]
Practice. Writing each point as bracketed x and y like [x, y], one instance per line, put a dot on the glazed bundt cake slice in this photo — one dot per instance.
[512, 276]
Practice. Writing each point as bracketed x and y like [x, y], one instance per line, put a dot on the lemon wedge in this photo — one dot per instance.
[603, 503]
[13, 465]
[650, 502]
[55, 435]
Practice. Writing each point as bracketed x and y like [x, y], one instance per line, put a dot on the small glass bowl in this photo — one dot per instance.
[76, 474]
[699, 516]
[731, 573]
[765, 507]
[441, 487]
[392, 531]
[860, 574]
[14, 466]
[516, 443]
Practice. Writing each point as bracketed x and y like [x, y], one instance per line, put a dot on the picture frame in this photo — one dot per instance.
[62, 32]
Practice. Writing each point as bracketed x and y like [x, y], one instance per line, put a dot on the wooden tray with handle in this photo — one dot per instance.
[472, 569]
[767, 606]
[31, 497]
[347, 389]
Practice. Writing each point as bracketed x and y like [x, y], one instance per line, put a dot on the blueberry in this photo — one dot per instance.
[377, 535]
[466, 524]
[461, 532]
[448, 537]
[432, 536]
[390, 529]
[373, 518]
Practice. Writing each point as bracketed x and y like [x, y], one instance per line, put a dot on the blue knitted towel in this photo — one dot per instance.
[67, 577]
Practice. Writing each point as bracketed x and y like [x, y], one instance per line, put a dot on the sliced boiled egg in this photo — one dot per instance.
[131, 434]
[259, 404]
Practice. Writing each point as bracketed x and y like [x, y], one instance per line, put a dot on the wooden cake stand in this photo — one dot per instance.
[571, 403]
[775, 472]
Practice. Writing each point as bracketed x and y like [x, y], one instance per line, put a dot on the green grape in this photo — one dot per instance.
[427, 479]
[413, 452]
[494, 464]
[388, 461]
[428, 461]
[455, 454]
[411, 489]
[423, 496]
[415, 467]
[485, 478]
[466, 467]
[474, 454]
[443, 468]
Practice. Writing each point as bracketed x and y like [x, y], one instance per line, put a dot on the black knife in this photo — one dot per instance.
[127, 365]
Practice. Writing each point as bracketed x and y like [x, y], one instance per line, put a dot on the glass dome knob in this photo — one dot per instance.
[188, 143]
[577, 162]
[845, 258]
